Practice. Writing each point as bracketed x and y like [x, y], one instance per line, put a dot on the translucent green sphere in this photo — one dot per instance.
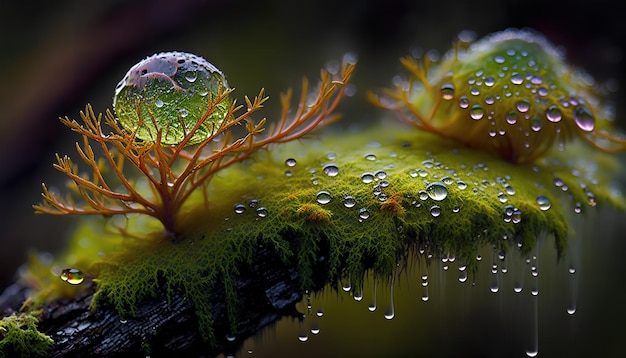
[169, 92]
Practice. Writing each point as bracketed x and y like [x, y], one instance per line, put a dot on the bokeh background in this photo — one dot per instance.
[59, 56]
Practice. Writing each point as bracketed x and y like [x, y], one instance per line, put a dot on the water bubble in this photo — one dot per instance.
[331, 170]
[584, 118]
[367, 178]
[290, 162]
[447, 91]
[523, 106]
[349, 201]
[364, 214]
[240, 208]
[435, 211]
[544, 203]
[323, 197]
[437, 191]
[477, 112]
[261, 212]
[553, 114]
[72, 276]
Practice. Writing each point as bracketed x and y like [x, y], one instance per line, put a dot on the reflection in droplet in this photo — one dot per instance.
[72, 276]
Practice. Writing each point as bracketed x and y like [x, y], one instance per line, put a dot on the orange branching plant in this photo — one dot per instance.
[174, 171]
[510, 94]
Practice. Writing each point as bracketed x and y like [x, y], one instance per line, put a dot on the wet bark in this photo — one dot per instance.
[268, 291]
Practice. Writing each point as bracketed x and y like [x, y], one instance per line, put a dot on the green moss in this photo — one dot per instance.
[19, 337]
[364, 227]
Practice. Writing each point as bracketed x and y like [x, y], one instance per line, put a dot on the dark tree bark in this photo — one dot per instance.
[268, 290]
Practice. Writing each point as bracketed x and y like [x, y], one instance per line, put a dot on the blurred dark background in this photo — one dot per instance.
[61, 56]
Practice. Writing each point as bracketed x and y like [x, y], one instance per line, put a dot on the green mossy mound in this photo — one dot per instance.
[19, 337]
[322, 206]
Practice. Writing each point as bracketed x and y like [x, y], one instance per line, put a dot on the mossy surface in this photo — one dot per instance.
[365, 225]
[19, 337]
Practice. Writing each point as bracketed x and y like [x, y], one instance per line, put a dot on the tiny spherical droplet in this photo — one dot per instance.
[477, 112]
[349, 201]
[240, 208]
[367, 178]
[423, 195]
[553, 114]
[544, 203]
[499, 59]
[371, 157]
[517, 79]
[437, 191]
[261, 212]
[290, 162]
[364, 214]
[331, 170]
[435, 211]
[463, 102]
[535, 124]
[447, 91]
[72, 276]
[323, 197]
[461, 185]
[522, 106]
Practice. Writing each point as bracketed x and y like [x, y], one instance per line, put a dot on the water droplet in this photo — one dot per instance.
[553, 114]
[72, 276]
[535, 124]
[240, 208]
[423, 195]
[261, 212]
[499, 59]
[367, 178]
[159, 103]
[380, 174]
[463, 102]
[523, 106]
[435, 211]
[364, 214]
[584, 118]
[461, 185]
[349, 201]
[331, 170]
[544, 203]
[371, 157]
[437, 191]
[477, 112]
[447, 91]
[447, 180]
[290, 162]
[490, 81]
[517, 79]
[323, 197]
[303, 337]
[183, 112]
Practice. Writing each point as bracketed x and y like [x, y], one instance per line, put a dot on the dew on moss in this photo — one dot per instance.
[290, 162]
[364, 214]
[437, 191]
[72, 276]
[367, 178]
[323, 197]
[261, 212]
[435, 210]
[349, 201]
[543, 202]
[331, 170]
[240, 208]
